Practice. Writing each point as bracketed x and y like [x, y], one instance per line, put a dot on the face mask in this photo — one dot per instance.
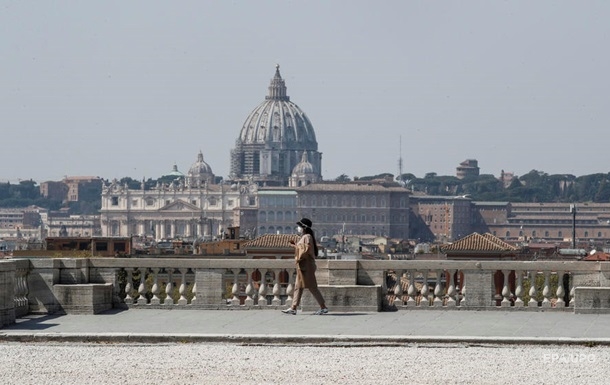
[299, 230]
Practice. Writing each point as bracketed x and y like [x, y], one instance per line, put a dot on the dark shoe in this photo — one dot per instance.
[289, 311]
[321, 312]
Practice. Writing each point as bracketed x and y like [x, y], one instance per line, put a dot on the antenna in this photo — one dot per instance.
[400, 159]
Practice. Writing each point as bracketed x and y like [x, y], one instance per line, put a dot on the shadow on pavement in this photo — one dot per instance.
[33, 322]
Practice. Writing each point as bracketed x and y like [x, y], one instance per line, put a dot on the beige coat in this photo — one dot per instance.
[306, 262]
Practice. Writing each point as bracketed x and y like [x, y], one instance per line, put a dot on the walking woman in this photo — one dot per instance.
[305, 252]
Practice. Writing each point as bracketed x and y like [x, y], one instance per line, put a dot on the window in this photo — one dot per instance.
[194, 202]
[134, 203]
[150, 201]
[114, 201]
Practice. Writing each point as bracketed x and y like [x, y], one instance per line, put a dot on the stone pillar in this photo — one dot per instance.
[7, 292]
[479, 287]
[161, 229]
[44, 273]
[210, 288]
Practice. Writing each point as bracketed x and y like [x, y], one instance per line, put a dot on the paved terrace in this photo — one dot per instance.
[379, 328]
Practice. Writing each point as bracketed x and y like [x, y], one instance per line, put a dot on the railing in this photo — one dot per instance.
[484, 284]
[202, 283]
[268, 284]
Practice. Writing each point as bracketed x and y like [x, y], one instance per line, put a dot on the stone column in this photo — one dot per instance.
[7, 292]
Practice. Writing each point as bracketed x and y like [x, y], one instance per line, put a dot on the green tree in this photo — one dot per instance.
[342, 178]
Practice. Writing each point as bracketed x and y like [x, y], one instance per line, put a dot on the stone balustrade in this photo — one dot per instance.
[27, 285]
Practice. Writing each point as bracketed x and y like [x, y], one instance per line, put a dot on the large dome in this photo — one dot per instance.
[278, 121]
[272, 137]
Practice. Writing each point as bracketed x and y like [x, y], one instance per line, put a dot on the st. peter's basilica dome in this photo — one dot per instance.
[272, 138]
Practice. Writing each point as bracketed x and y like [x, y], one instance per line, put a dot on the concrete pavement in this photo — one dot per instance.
[272, 326]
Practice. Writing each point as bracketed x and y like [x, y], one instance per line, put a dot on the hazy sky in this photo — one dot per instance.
[128, 88]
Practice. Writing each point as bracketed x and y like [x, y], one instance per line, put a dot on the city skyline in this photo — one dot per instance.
[118, 89]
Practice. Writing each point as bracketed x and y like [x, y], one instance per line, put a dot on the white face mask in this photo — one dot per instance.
[299, 230]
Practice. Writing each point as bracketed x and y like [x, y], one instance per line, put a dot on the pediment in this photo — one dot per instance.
[179, 205]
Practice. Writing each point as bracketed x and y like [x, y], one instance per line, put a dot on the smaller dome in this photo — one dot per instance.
[200, 166]
[175, 172]
[303, 167]
[200, 172]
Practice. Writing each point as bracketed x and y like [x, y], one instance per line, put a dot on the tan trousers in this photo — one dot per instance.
[298, 293]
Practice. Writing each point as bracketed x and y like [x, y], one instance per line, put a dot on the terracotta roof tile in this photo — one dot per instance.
[477, 242]
[272, 241]
[597, 257]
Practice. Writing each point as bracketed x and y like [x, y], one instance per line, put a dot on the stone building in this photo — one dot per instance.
[550, 222]
[469, 167]
[446, 217]
[371, 207]
[277, 210]
[191, 207]
[450, 218]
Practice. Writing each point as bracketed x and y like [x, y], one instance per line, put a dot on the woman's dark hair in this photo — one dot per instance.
[308, 230]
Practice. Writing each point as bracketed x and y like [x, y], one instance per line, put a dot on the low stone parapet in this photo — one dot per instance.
[588, 300]
[89, 298]
[7, 284]
[345, 298]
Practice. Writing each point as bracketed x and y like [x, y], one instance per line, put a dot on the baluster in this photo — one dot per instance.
[182, 289]
[425, 291]
[505, 290]
[277, 289]
[463, 295]
[24, 288]
[411, 289]
[451, 289]
[398, 289]
[128, 286]
[169, 289]
[194, 299]
[438, 290]
[290, 289]
[519, 289]
[155, 300]
[235, 290]
[546, 292]
[141, 300]
[262, 288]
[21, 284]
[533, 302]
[571, 280]
[249, 289]
[16, 291]
[560, 291]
